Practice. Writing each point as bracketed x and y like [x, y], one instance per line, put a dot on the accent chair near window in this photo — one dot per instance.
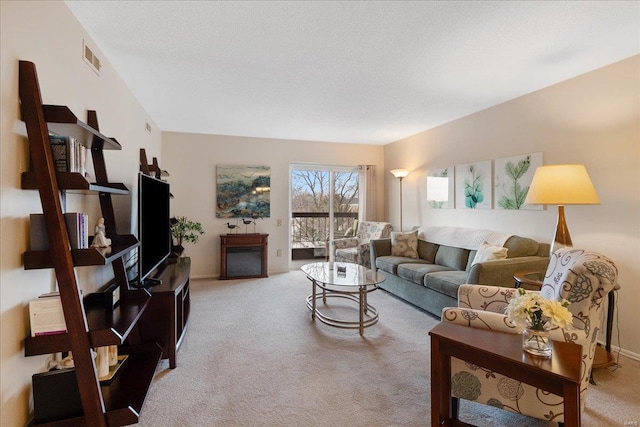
[356, 249]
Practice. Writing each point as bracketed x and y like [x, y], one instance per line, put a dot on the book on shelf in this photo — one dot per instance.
[77, 228]
[69, 155]
[46, 316]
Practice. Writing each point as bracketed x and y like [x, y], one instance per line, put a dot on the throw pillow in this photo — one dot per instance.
[487, 252]
[404, 244]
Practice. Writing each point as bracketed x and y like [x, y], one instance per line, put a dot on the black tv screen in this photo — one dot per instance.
[154, 228]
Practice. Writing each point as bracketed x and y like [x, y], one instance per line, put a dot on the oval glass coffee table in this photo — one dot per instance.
[347, 281]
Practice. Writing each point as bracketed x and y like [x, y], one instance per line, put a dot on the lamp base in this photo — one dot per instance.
[561, 238]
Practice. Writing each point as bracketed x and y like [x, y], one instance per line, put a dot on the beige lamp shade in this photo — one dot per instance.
[400, 173]
[562, 185]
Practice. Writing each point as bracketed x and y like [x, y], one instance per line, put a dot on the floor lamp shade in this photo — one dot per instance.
[400, 174]
[561, 185]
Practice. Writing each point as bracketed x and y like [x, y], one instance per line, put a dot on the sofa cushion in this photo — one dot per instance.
[445, 282]
[455, 258]
[415, 272]
[521, 246]
[427, 250]
[390, 263]
[404, 244]
[487, 252]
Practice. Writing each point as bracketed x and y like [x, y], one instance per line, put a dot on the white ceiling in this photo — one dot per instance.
[347, 71]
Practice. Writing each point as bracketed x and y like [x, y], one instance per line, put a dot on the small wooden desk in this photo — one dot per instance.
[502, 353]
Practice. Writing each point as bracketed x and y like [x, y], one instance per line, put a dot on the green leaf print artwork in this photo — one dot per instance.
[473, 189]
[514, 194]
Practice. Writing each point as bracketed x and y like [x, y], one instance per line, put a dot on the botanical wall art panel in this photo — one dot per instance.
[441, 188]
[473, 185]
[513, 176]
[243, 191]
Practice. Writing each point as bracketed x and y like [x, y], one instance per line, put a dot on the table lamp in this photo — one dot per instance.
[561, 185]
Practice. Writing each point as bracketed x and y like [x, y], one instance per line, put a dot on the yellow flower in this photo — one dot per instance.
[557, 313]
[533, 310]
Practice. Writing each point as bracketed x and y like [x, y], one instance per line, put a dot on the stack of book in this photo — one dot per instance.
[69, 155]
[77, 228]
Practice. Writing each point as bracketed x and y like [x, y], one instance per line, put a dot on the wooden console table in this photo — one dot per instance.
[243, 255]
[165, 319]
[501, 352]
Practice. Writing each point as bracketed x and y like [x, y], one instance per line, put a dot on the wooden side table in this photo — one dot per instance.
[502, 353]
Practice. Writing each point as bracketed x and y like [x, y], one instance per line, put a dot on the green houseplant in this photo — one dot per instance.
[184, 230]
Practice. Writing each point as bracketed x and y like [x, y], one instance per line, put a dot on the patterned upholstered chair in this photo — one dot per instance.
[584, 279]
[356, 249]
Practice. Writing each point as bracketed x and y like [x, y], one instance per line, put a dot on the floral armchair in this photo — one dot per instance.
[581, 277]
[356, 249]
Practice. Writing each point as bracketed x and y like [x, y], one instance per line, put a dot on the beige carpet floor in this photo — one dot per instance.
[253, 357]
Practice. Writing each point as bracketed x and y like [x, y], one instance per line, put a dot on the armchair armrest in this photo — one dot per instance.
[530, 279]
[500, 272]
[479, 319]
[347, 242]
[486, 298]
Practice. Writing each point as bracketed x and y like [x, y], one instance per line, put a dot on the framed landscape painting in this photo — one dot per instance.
[243, 192]
[473, 185]
[512, 179]
[441, 188]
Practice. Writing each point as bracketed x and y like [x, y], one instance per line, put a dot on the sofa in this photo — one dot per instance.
[356, 249]
[426, 266]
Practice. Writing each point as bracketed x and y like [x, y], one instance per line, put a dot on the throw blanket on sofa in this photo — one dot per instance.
[460, 237]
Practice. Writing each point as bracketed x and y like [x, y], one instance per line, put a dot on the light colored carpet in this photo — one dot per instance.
[253, 357]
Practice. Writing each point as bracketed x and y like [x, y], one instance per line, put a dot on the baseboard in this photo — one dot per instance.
[205, 276]
[615, 350]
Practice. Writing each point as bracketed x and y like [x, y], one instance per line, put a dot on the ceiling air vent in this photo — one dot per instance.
[90, 58]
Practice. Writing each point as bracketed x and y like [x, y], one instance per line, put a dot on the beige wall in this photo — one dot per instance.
[191, 160]
[47, 34]
[592, 119]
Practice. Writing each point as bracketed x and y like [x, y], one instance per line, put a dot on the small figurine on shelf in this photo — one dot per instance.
[100, 240]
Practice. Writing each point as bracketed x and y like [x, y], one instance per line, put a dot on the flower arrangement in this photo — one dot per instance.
[532, 310]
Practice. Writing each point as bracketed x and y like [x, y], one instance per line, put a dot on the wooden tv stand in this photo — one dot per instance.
[165, 319]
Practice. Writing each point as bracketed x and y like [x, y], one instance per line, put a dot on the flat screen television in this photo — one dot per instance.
[154, 227]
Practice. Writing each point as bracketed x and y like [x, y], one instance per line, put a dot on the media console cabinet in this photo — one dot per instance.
[243, 255]
[165, 319]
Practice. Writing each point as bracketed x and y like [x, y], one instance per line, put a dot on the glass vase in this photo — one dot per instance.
[536, 342]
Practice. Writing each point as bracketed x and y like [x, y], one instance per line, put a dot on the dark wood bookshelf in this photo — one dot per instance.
[88, 326]
[106, 326]
[61, 121]
[73, 181]
[120, 246]
[125, 395]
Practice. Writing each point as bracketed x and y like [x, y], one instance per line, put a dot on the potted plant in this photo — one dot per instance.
[183, 230]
